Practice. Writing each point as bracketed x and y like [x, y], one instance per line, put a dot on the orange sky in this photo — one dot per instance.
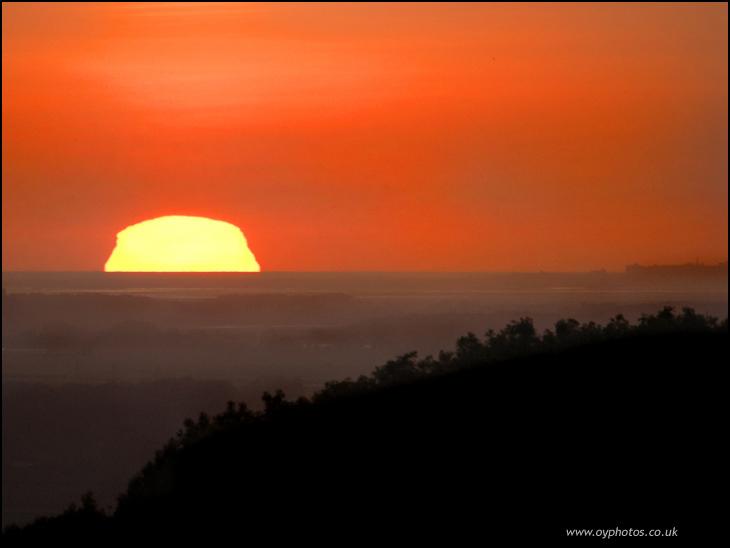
[370, 137]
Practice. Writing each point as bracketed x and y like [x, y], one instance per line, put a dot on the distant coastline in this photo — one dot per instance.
[681, 270]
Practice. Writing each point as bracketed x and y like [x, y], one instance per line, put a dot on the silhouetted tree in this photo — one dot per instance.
[566, 331]
[274, 404]
[469, 349]
[618, 326]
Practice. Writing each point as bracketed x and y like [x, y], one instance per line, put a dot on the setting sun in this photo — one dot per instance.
[181, 244]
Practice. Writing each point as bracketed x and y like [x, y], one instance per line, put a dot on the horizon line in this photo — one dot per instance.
[593, 271]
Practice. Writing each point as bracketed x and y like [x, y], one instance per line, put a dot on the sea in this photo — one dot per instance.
[497, 288]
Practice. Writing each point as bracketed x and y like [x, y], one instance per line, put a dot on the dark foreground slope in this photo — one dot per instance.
[621, 434]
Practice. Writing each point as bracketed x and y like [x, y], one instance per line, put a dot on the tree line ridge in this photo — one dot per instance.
[518, 340]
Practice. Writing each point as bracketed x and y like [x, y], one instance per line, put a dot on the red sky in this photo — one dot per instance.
[485, 137]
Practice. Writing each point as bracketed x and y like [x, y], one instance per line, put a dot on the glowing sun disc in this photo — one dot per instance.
[181, 244]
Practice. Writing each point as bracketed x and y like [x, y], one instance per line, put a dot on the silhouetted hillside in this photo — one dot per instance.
[615, 432]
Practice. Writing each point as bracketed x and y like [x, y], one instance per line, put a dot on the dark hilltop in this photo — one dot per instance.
[517, 435]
